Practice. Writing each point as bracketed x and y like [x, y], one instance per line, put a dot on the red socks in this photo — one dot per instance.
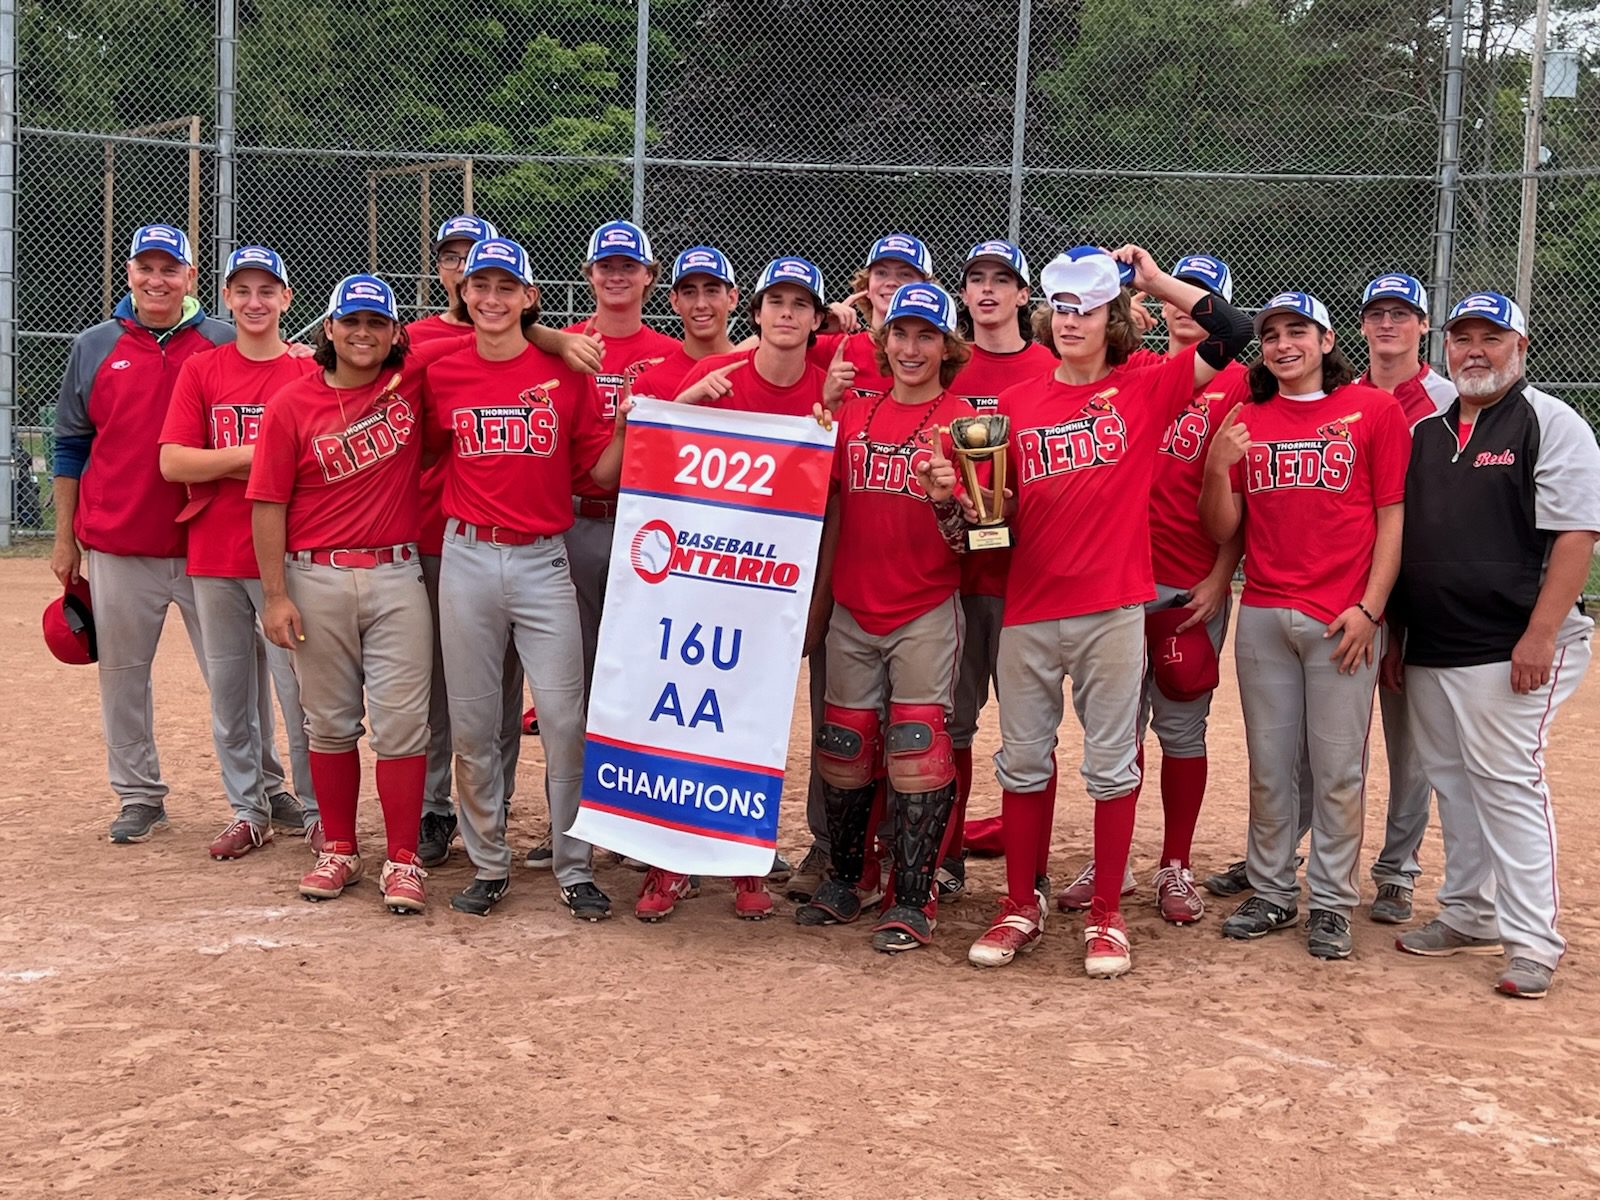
[400, 784]
[1113, 838]
[956, 839]
[337, 778]
[1183, 788]
[1025, 821]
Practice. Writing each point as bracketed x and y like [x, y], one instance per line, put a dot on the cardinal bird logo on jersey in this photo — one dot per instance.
[1339, 429]
[612, 386]
[1186, 436]
[376, 437]
[1101, 402]
[1097, 437]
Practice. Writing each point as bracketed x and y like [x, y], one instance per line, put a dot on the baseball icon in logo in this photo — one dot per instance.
[651, 553]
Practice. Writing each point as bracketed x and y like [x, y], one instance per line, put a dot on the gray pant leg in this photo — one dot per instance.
[1032, 668]
[980, 658]
[228, 627]
[510, 719]
[280, 665]
[1409, 798]
[436, 794]
[1272, 696]
[816, 796]
[589, 555]
[1104, 653]
[392, 606]
[328, 662]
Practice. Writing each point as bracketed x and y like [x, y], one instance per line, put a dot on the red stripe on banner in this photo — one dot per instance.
[685, 756]
[680, 826]
[747, 470]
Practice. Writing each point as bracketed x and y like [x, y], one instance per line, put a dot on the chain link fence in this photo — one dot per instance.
[1300, 141]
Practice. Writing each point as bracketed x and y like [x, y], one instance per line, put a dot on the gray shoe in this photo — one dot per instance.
[1257, 917]
[1438, 940]
[1393, 905]
[541, 857]
[136, 822]
[808, 876]
[1328, 934]
[1525, 979]
[288, 814]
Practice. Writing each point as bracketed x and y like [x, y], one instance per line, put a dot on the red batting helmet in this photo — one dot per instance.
[1184, 664]
[69, 626]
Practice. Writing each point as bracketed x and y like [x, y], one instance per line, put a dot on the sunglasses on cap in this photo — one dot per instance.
[1069, 306]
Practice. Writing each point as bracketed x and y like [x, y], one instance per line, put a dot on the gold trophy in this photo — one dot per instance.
[975, 439]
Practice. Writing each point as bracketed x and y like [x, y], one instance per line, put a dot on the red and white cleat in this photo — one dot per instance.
[401, 885]
[1017, 928]
[751, 900]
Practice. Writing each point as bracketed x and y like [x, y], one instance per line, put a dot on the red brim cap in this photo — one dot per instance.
[1184, 664]
[69, 626]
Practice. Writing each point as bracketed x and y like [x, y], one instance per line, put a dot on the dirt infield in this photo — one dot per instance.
[176, 1027]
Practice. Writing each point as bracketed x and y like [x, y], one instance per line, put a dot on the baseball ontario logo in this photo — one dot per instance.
[658, 551]
[1097, 437]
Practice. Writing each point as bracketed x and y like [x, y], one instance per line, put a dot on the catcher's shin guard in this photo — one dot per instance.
[920, 819]
[847, 811]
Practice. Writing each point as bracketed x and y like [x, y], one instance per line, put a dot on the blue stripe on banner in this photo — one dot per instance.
[736, 505]
[716, 802]
[824, 447]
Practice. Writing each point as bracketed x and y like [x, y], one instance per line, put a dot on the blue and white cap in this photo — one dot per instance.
[256, 258]
[499, 254]
[703, 260]
[1302, 303]
[1205, 271]
[464, 227]
[1086, 272]
[1405, 288]
[1492, 307]
[620, 239]
[798, 271]
[1007, 254]
[928, 301]
[1124, 270]
[905, 248]
[362, 293]
[168, 239]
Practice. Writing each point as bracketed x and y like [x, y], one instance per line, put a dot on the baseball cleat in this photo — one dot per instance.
[288, 814]
[1525, 979]
[587, 902]
[1438, 940]
[902, 928]
[951, 878]
[238, 839]
[751, 900]
[808, 876]
[1176, 897]
[660, 893]
[1229, 881]
[1017, 929]
[1257, 917]
[480, 896]
[1078, 895]
[1106, 953]
[834, 903]
[314, 835]
[542, 857]
[137, 822]
[401, 887]
[1328, 934]
[332, 874]
[434, 835]
[1392, 905]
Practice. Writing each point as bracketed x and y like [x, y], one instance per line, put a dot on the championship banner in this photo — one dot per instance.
[706, 604]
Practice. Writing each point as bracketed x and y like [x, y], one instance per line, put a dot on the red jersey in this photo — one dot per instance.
[753, 392]
[520, 433]
[980, 383]
[664, 381]
[1315, 475]
[1081, 461]
[892, 563]
[860, 351]
[1182, 553]
[624, 360]
[1426, 394]
[430, 537]
[216, 404]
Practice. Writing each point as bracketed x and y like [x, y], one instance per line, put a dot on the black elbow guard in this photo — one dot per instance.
[1229, 330]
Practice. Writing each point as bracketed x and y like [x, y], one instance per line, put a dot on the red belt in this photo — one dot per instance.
[352, 559]
[601, 510]
[494, 535]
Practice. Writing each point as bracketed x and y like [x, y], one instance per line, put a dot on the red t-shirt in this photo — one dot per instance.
[623, 361]
[216, 404]
[753, 392]
[979, 383]
[892, 563]
[859, 350]
[1081, 461]
[1182, 553]
[1313, 479]
[664, 381]
[430, 539]
[519, 433]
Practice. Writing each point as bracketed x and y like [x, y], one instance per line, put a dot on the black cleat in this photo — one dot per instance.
[480, 896]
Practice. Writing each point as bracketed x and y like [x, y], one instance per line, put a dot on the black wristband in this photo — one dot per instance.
[1366, 614]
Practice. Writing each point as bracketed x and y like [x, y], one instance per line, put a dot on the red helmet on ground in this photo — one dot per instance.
[1184, 664]
[69, 626]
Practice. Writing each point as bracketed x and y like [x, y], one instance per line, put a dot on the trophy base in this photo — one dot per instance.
[989, 537]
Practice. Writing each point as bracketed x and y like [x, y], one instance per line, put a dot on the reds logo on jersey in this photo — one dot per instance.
[528, 428]
[1186, 437]
[376, 437]
[1097, 437]
[235, 425]
[881, 467]
[1305, 463]
[611, 387]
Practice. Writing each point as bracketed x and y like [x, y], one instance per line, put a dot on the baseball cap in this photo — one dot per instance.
[256, 258]
[620, 239]
[499, 254]
[1007, 254]
[798, 271]
[905, 248]
[362, 293]
[464, 226]
[168, 239]
[1492, 307]
[928, 301]
[1302, 303]
[69, 626]
[703, 260]
[1184, 664]
[1407, 288]
[1207, 271]
[1085, 272]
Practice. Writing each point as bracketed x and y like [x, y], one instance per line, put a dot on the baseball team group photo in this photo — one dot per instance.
[752, 698]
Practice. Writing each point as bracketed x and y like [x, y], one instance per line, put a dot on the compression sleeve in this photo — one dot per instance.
[1229, 330]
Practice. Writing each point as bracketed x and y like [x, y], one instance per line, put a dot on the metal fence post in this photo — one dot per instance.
[1019, 119]
[1444, 230]
[1532, 137]
[225, 132]
[10, 470]
[641, 88]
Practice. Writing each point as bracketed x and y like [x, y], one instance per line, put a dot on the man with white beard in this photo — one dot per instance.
[1502, 512]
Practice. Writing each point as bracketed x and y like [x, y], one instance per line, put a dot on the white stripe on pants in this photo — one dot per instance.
[1482, 747]
[1293, 696]
[130, 595]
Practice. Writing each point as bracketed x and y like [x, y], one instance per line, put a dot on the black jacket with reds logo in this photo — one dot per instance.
[1480, 519]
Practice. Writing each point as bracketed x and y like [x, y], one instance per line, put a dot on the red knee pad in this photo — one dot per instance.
[921, 758]
[849, 746]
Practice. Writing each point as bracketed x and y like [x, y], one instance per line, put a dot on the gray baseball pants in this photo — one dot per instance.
[1410, 798]
[980, 662]
[589, 549]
